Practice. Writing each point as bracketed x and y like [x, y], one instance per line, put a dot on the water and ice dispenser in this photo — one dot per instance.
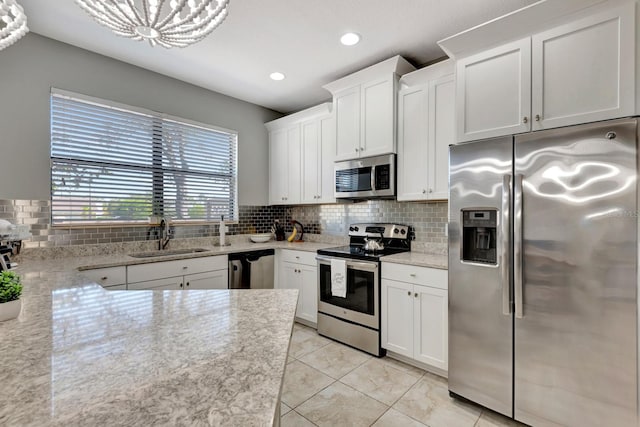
[479, 228]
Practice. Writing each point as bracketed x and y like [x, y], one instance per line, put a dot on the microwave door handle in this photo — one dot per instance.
[373, 178]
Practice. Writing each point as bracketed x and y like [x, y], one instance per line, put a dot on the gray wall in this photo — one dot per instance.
[33, 65]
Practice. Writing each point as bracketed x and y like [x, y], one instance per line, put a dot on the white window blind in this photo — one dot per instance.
[114, 163]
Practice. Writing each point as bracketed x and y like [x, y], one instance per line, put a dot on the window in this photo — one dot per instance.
[115, 163]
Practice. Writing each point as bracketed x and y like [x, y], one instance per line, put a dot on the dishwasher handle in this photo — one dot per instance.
[235, 274]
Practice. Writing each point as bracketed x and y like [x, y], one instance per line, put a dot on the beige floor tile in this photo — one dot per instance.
[380, 380]
[304, 342]
[393, 418]
[300, 327]
[293, 419]
[284, 409]
[428, 401]
[301, 382]
[340, 405]
[411, 370]
[493, 419]
[335, 360]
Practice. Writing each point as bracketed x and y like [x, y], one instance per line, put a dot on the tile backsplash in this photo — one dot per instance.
[428, 219]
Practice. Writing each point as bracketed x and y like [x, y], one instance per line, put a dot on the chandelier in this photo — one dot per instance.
[176, 23]
[13, 23]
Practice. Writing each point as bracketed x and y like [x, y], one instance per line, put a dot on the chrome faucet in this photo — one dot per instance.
[164, 235]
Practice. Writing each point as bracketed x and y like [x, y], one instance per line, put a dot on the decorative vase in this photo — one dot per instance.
[10, 310]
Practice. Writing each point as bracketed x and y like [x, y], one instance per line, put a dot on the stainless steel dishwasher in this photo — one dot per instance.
[251, 269]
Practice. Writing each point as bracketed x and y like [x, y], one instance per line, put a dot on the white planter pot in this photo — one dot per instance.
[10, 310]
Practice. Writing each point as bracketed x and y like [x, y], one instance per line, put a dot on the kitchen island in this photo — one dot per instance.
[81, 355]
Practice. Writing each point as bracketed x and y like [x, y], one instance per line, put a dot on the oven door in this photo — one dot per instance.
[362, 303]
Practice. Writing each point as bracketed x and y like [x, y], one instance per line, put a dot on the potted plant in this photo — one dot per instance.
[10, 291]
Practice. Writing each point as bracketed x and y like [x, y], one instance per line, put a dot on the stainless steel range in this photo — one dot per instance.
[354, 319]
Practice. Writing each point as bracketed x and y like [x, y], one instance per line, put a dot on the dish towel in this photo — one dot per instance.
[339, 278]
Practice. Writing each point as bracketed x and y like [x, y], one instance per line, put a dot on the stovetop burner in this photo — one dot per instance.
[397, 238]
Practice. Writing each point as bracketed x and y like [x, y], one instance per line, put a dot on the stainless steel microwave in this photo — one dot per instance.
[368, 178]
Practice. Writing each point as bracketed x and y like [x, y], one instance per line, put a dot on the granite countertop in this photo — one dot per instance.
[103, 261]
[432, 260]
[79, 355]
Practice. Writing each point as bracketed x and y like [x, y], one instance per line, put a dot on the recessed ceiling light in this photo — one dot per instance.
[276, 76]
[349, 39]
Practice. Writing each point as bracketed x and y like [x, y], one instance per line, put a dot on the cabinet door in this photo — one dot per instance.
[441, 135]
[311, 162]
[293, 168]
[397, 317]
[289, 279]
[278, 156]
[210, 280]
[430, 326]
[584, 71]
[170, 283]
[493, 95]
[328, 143]
[346, 105]
[413, 115]
[308, 279]
[378, 118]
[108, 277]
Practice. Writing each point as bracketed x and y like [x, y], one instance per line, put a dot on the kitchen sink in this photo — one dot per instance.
[153, 254]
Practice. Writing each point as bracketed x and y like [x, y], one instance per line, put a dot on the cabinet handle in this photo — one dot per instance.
[187, 284]
[525, 120]
[538, 118]
[431, 190]
[424, 191]
[361, 149]
[409, 293]
[180, 284]
[185, 267]
[416, 295]
[103, 278]
[357, 149]
[412, 274]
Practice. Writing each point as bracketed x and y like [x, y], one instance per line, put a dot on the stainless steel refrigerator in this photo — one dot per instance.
[543, 274]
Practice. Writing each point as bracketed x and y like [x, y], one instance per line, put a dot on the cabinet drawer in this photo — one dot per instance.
[171, 283]
[432, 277]
[159, 270]
[108, 276]
[298, 257]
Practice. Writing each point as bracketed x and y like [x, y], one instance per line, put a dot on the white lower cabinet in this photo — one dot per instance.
[415, 313]
[112, 278]
[191, 273]
[169, 283]
[298, 270]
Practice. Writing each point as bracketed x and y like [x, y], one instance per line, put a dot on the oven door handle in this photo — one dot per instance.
[369, 266]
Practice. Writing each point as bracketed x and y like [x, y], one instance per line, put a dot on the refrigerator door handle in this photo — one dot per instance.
[517, 246]
[504, 243]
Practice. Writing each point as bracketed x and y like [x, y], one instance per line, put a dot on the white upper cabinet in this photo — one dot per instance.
[347, 110]
[365, 109]
[580, 69]
[301, 151]
[284, 165]
[494, 92]
[378, 117]
[311, 161]
[326, 191]
[425, 130]
[583, 71]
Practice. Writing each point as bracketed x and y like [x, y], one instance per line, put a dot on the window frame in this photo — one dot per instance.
[155, 166]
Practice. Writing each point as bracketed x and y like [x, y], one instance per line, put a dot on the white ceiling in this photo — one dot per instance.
[299, 38]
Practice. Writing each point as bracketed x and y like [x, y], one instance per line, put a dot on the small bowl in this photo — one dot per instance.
[260, 238]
